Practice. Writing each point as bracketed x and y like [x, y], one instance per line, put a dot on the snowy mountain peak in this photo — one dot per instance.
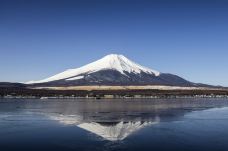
[123, 64]
[112, 61]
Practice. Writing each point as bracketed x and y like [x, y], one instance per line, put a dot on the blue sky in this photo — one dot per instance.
[184, 37]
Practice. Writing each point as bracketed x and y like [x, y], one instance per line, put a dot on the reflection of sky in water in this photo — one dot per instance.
[209, 114]
[133, 123]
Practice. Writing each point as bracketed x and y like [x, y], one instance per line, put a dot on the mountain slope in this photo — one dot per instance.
[110, 62]
[112, 69]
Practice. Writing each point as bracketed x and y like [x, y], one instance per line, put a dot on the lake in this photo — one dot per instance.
[108, 125]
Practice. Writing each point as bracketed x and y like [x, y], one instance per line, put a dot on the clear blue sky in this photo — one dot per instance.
[184, 37]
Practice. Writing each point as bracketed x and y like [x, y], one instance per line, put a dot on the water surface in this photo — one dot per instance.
[140, 124]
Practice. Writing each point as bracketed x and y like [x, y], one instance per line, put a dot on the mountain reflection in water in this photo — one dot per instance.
[123, 125]
[114, 121]
[108, 130]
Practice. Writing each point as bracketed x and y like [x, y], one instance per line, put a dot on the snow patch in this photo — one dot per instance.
[75, 78]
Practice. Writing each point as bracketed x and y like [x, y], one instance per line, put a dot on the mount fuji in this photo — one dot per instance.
[113, 70]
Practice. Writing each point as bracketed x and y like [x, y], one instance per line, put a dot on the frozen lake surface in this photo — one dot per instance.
[96, 125]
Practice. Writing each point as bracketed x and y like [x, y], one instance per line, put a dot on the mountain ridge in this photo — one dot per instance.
[109, 62]
[113, 69]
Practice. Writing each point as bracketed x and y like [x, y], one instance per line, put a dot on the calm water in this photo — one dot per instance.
[96, 125]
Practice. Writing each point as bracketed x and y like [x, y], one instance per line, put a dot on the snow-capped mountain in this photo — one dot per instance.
[112, 69]
[110, 62]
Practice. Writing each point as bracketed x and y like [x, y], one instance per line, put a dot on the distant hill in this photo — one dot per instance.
[12, 85]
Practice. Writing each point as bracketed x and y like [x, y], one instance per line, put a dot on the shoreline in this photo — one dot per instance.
[119, 97]
[18, 92]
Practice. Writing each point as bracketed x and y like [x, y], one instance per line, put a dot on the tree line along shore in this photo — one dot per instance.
[145, 93]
